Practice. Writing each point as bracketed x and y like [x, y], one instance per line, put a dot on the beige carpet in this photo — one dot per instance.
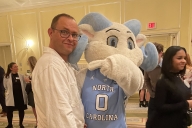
[29, 120]
[135, 116]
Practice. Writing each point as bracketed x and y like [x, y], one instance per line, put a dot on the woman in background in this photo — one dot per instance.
[31, 62]
[188, 64]
[143, 95]
[172, 95]
[188, 72]
[16, 98]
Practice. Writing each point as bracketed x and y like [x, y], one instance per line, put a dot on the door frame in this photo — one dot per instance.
[173, 33]
[11, 49]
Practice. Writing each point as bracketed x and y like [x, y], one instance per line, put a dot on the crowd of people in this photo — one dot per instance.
[53, 94]
[16, 92]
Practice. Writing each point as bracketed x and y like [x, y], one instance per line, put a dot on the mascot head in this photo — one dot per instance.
[105, 38]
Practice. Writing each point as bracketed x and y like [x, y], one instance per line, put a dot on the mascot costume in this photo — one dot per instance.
[113, 73]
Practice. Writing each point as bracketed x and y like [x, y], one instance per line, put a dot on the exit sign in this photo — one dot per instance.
[151, 25]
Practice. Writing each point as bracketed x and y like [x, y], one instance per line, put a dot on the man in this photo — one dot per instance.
[151, 79]
[57, 100]
[2, 93]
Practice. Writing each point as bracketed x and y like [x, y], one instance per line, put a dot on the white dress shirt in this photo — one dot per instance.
[57, 99]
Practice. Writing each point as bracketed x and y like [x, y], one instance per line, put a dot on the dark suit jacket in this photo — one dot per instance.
[2, 73]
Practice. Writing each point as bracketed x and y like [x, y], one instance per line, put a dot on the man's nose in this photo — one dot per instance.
[70, 37]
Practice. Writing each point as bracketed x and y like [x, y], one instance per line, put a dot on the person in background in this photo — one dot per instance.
[150, 80]
[31, 62]
[172, 95]
[188, 64]
[2, 93]
[143, 95]
[57, 98]
[188, 72]
[16, 98]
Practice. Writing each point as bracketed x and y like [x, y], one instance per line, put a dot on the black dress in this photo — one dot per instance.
[170, 103]
[30, 95]
[17, 93]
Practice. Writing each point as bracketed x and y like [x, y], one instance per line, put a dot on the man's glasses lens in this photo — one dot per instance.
[66, 34]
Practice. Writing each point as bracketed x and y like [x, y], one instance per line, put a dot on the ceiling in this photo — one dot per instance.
[9, 5]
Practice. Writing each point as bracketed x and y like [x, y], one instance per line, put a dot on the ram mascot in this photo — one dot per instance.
[113, 73]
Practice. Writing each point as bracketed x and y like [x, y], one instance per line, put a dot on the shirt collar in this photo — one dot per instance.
[53, 52]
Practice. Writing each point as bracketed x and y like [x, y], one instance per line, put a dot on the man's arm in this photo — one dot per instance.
[53, 91]
[80, 76]
[2, 73]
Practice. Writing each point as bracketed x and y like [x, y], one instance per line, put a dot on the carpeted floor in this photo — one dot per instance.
[135, 116]
[29, 120]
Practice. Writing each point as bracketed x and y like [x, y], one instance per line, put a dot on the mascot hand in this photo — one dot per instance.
[119, 68]
[113, 65]
[95, 64]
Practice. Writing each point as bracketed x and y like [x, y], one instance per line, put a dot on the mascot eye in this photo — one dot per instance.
[112, 41]
[130, 43]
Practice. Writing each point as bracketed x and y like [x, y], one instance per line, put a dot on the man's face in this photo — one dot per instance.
[63, 46]
[160, 56]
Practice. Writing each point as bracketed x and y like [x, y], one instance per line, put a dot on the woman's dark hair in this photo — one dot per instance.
[8, 69]
[167, 64]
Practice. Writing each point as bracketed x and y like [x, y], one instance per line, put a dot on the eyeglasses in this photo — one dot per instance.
[66, 34]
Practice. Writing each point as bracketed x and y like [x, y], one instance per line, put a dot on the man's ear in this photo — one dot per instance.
[87, 30]
[50, 31]
[161, 53]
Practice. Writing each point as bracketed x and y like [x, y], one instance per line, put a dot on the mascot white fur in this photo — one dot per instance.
[112, 75]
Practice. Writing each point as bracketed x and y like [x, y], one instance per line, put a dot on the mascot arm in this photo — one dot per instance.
[119, 68]
[80, 77]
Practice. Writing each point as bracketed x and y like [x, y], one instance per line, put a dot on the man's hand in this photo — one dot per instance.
[85, 126]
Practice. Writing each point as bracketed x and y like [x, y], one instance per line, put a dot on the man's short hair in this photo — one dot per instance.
[159, 47]
[56, 18]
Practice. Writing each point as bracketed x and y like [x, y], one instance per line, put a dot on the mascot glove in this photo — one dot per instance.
[121, 69]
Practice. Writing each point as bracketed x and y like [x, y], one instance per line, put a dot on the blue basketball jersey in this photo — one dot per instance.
[103, 102]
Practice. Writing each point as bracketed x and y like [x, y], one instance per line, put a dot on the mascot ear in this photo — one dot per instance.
[150, 57]
[134, 25]
[140, 40]
[75, 56]
[93, 22]
[87, 30]
[150, 54]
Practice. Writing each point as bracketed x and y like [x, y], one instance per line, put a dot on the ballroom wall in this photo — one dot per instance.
[17, 26]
